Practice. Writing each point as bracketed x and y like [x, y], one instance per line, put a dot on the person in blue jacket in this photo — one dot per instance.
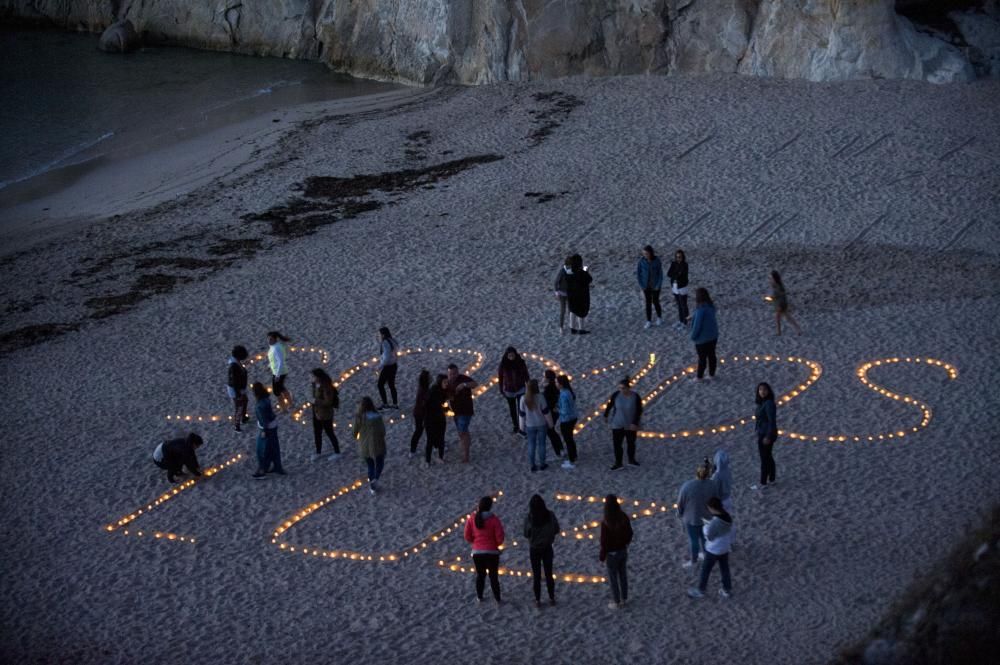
[704, 332]
[649, 272]
[567, 419]
[268, 450]
[766, 428]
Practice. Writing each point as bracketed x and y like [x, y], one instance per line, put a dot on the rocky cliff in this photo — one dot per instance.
[483, 41]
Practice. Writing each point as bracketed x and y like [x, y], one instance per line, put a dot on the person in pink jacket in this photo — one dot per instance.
[485, 532]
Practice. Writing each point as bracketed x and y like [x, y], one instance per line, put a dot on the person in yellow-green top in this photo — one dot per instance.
[369, 430]
[277, 358]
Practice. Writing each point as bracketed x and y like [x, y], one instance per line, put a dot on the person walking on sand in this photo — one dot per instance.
[562, 291]
[704, 332]
[692, 508]
[173, 455]
[277, 358]
[369, 430]
[578, 295]
[677, 273]
[326, 400]
[766, 429]
[550, 391]
[623, 413]
[567, 419]
[779, 298]
[484, 532]
[436, 417]
[387, 367]
[460, 389]
[616, 534]
[268, 448]
[718, 534]
[536, 420]
[512, 376]
[236, 386]
[420, 410]
[649, 272]
[540, 529]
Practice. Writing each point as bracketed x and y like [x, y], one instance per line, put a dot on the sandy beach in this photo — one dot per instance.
[444, 213]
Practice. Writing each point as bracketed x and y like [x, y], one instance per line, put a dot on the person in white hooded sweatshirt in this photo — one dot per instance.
[718, 539]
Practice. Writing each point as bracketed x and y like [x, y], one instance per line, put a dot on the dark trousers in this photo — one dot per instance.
[435, 439]
[567, 434]
[171, 470]
[652, 300]
[320, 426]
[512, 406]
[617, 436]
[375, 466]
[682, 307]
[706, 570]
[557, 444]
[542, 558]
[278, 387]
[618, 575]
[767, 467]
[239, 408]
[487, 564]
[706, 354]
[418, 431]
[387, 376]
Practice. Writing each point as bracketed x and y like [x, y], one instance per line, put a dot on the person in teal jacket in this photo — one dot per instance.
[704, 332]
[649, 272]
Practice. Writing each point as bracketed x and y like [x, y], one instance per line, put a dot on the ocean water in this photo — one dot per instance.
[63, 102]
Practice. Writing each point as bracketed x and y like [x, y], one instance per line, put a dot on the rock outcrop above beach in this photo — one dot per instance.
[432, 41]
[120, 37]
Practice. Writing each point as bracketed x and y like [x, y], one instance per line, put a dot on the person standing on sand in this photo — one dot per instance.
[536, 420]
[460, 389]
[616, 534]
[173, 455]
[435, 417]
[718, 533]
[268, 448]
[766, 429]
[677, 273]
[236, 386]
[512, 376]
[623, 413]
[550, 391]
[277, 358]
[326, 400]
[484, 532]
[704, 332]
[692, 508]
[562, 291]
[419, 411]
[779, 298]
[567, 419]
[649, 272]
[387, 367]
[541, 528]
[723, 478]
[578, 295]
[369, 430]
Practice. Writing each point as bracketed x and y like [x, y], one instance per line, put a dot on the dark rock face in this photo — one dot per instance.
[120, 37]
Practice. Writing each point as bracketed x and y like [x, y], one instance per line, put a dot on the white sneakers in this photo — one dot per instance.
[568, 465]
[658, 322]
[687, 564]
[647, 325]
[695, 593]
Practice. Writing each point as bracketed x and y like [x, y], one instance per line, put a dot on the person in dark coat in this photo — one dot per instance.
[678, 276]
[419, 409]
[550, 391]
[541, 528]
[236, 385]
[173, 455]
[513, 377]
[436, 417]
[578, 296]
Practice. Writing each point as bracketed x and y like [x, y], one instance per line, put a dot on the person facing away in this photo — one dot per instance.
[236, 385]
[277, 358]
[268, 447]
[550, 391]
[540, 529]
[460, 389]
[387, 367]
[174, 454]
[436, 417]
[692, 508]
[722, 475]
[578, 296]
[766, 429]
[369, 430]
[677, 273]
[649, 273]
[484, 531]
[567, 419]
[326, 401]
[623, 413]
[562, 290]
[512, 377]
[704, 332]
[419, 409]
[718, 534]
[779, 298]
[536, 421]
[616, 534]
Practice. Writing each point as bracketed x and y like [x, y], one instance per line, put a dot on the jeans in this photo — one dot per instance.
[567, 434]
[767, 467]
[652, 300]
[682, 307]
[557, 444]
[484, 563]
[706, 353]
[462, 424]
[628, 435]
[697, 540]
[268, 451]
[618, 575]
[536, 445]
[706, 570]
[435, 439]
[387, 375]
[418, 431]
[542, 558]
[320, 426]
[239, 408]
[375, 467]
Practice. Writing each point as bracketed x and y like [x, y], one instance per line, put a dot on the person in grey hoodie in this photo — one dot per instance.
[541, 528]
[723, 477]
[623, 413]
[718, 532]
[692, 508]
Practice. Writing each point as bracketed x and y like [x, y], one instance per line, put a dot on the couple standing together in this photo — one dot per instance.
[573, 289]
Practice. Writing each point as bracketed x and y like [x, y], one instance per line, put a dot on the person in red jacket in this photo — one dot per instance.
[616, 534]
[485, 532]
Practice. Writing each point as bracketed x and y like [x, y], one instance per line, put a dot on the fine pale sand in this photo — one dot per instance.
[877, 201]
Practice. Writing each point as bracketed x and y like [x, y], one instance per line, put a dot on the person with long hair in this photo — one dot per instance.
[623, 413]
[779, 298]
[369, 430]
[766, 429]
[326, 400]
[718, 534]
[512, 376]
[649, 272]
[692, 508]
[436, 417]
[536, 421]
[704, 332]
[484, 531]
[268, 448]
[550, 391]
[420, 409]
[677, 273]
[567, 419]
[236, 385]
[277, 358]
[616, 534]
[460, 389]
[388, 365]
[578, 295]
[540, 529]
[562, 290]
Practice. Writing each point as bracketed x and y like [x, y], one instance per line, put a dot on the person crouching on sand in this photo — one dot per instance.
[277, 358]
[717, 532]
[616, 534]
[175, 454]
[541, 528]
[484, 532]
[236, 386]
[268, 449]
[369, 430]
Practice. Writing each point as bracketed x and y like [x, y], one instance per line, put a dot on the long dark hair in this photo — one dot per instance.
[539, 512]
[563, 381]
[701, 297]
[259, 391]
[756, 393]
[649, 248]
[485, 504]
[613, 515]
[366, 405]
[278, 336]
[506, 362]
[424, 380]
[576, 262]
[684, 257]
[325, 379]
[387, 336]
[777, 278]
[240, 352]
[440, 378]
